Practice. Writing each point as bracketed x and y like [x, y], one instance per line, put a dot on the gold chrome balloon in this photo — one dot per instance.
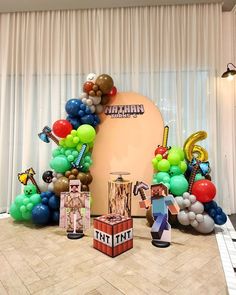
[190, 148]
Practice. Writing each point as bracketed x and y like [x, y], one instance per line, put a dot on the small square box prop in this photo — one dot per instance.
[113, 234]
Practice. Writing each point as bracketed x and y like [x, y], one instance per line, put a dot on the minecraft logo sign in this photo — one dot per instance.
[124, 111]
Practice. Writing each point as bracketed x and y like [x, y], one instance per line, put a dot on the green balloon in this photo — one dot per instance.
[15, 212]
[30, 206]
[30, 189]
[60, 164]
[75, 153]
[19, 200]
[183, 166]
[68, 152]
[199, 177]
[174, 158]
[154, 163]
[178, 185]
[35, 199]
[159, 157]
[160, 176]
[177, 150]
[22, 208]
[70, 158]
[87, 158]
[27, 215]
[175, 170]
[76, 139]
[163, 165]
[86, 133]
[69, 142]
[26, 200]
[56, 152]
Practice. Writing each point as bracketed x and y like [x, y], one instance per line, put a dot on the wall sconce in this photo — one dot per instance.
[229, 73]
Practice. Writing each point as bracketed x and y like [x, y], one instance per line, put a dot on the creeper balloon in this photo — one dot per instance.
[161, 201]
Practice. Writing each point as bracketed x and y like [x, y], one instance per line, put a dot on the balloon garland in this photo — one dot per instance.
[186, 173]
[71, 159]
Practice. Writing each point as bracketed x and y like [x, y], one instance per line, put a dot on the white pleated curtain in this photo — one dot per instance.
[169, 53]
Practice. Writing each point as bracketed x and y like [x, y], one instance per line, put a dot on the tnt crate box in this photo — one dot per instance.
[113, 234]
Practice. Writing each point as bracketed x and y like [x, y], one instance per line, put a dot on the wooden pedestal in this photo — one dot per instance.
[119, 197]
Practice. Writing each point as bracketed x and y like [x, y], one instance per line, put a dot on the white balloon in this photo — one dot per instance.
[197, 207]
[96, 99]
[194, 223]
[99, 108]
[207, 226]
[43, 187]
[59, 175]
[91, 77]
[51, 186]
[54, 179]
[92, 108]
[192, 198]
[183, 217]
[84, 100]
[186, 202]
[199, 217]
[186, 195]
[89, 102]
[83, 95]
[191, 215]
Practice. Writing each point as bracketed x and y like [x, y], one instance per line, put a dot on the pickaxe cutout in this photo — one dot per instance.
[139, 187]
[25, 176]
[46, 134]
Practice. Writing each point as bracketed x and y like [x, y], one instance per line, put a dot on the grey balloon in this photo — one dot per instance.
[207, 226]
[180, 202]
[197, 207]
[183, 217]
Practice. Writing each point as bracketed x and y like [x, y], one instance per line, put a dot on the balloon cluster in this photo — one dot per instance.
[192, 213]
[97, 92]
[72, 158]
[21, 208]
[215, 212]
[170, 167]
[79, 113]
[48, 210]
[186, 172]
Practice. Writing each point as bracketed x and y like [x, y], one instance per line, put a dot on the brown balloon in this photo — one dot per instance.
[105, 99]
[95, 87]
[92, 93]
[105, 83]
[82, 177]
[75, 171]
[84, 188]
[72, 177]
[99, 93]
[89, 178]
[67, 174]
[61, 185]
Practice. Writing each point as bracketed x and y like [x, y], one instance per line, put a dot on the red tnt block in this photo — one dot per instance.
[113, 234]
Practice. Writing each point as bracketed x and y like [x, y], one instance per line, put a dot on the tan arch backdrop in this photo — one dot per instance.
[125, 142]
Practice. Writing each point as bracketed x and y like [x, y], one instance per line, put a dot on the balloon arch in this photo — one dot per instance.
[185, 171]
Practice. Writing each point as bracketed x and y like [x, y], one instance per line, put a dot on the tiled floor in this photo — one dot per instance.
[44, 261]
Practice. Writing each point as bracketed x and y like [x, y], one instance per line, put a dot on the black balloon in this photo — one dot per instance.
[47, 176]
